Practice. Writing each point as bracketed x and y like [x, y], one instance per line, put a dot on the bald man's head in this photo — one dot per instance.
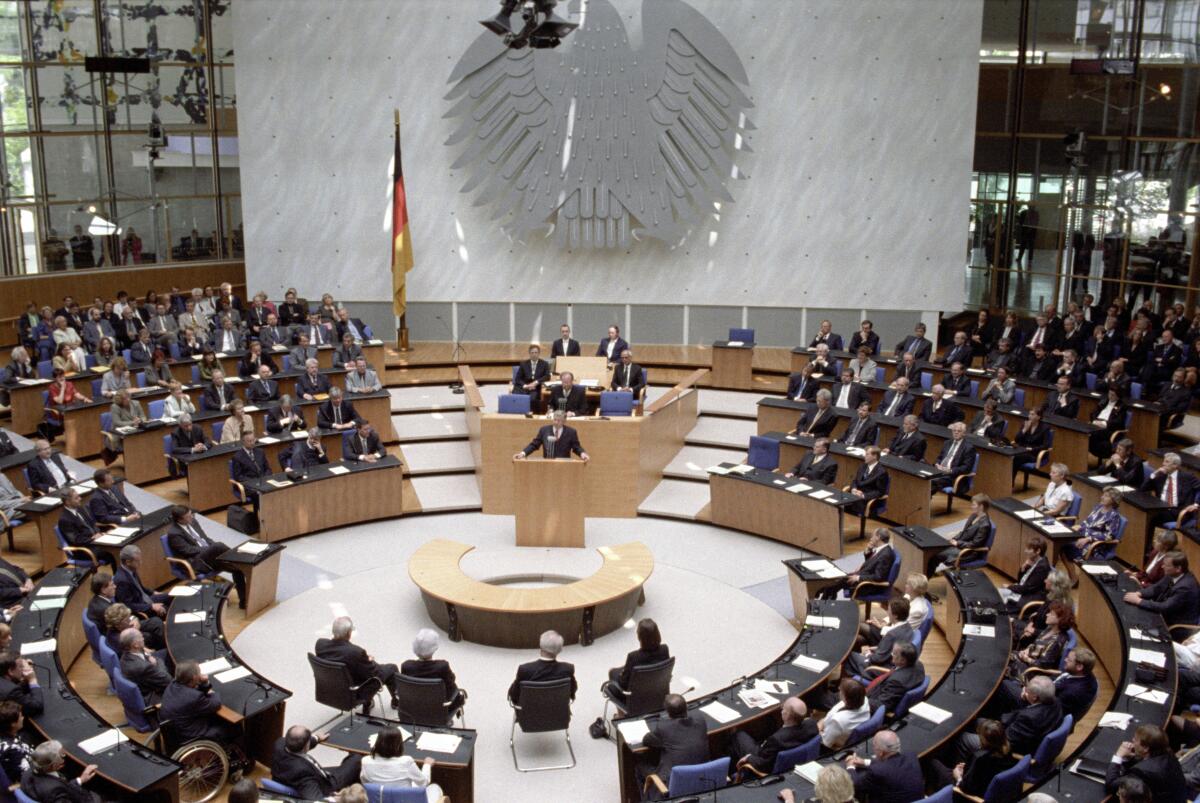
[794, 711]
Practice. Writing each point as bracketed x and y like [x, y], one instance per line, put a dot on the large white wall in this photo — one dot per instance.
[858, 186]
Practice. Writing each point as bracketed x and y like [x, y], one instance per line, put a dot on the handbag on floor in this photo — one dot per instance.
[240, 519]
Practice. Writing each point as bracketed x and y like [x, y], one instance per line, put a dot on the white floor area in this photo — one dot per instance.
[699, 574]
[728, 433]
[692, 461]
[430, 425]
[729, 402]
[426, 458]
[681, 499]
[431, 397]
[447, 492]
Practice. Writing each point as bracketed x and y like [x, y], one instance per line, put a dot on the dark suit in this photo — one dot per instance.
[1029, 724]
[40, 477]
[832, 340]
[824, 472]
[272, 336]
[911, 373]
[574, 402]
[635, 379]
[1074, 373]
[881, 655]
[541, 670]
[373, 446]
[28, 697]
[256, 317]
[974, 535]
[802, 388]
[566, 445]
[896, 779]
[357, 662]
[639, 657]
[1062, 404]
[818, 422]
[530, 372]
[556, 350]
[110, 506]
[193, 714]
[893, 688]
[433, 668]
[328, 415]
[679, 742]
[602, 349]
[907, 445]
[12, 577]
[959, 386]
[1075, 693]
[921, 347]
[141, 353]
[302, 772]
[947, 413]
[1175, 400]
[215, 398]
[873, 484]
[1162, 363]
[857, 393]
[77, 526]
[876, 567]
[1130, 472]
[1076, 341]
[993, 430]
[194, 546]
[248, 366]
[955, 353]
[261, 391]
[762, 756]
[312, 386]
[1037, 439]
[1185, 491]
[53, 788]
[292, 313]
[351, 325]
[1100, 443]
[182, 440]
[896, 404]
[862, 432]
[152, 679]
[964, 459]
[133, 593]
[302, 457]
[871, 341]
[1162, 775]
[250, 465]
[1176, 599]
[275, 415]
[1031, 583]
[1042, 370]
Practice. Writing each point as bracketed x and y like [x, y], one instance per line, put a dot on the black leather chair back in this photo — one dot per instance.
[422, 701]
[544, 705]
[648, 685]
[333, 684]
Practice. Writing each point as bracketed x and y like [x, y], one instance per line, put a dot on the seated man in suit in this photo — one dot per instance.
[871, 481]
[218, 395]
[1040, 365]
[104, 594]
[865, 336]
[821, 362]
[286, 417]
[15, 583]
[862, 430]
[1176, 597]
[568, 396]
[565, 346]
[273, 334]
[141, 353]
[876, 565]
[362, 379]
[973, 535]
[1175, 399]
[611, 347]
[546, 667]
[302, 352]
[1072, 369]
[188, 541]
[532, 374]
[44, 779]
[629, 376]
[818, 420]
[1002, 356]
[365, 445]
[1039, 713]
[847, 393]
[557, 441]
[816, 465]
[907, 673]
[108, 503]
[956, 458]
[132, 592]
[889, 774]
[1150, 759]
[292, 766]
[881, 654]
[354, 327]
[1164, 359]
[306, 453]
[676, 740]
[959, 351]
[908, 442]
[1174, 487]
[249, 463]
[312, 383]
[938, 410]
[908, 368]
[1077, 686]
[897, 400]
[357, 661]
[77, 526]
[191, 704]
[227, 338]
[1061, 401]
[957, 382]
[19, 683]
[798, 728]
[425, 645]
[801, 385]
[826, 337]
[916, 344]
[988, 423]
[337, 412]
[47, 472]
[264, 390]
[141, 667]
[189, 438]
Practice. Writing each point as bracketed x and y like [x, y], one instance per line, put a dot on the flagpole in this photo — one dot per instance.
[402, 322]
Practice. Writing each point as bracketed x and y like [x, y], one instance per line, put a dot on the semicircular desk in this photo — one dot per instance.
[506, 616]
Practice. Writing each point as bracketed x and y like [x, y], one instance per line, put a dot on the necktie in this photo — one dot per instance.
[1169, 497]
[892, 407]
[627, 375]
[912, 346]
[854, 431]
[557, 436]
[263, 384]
[950, 454]
[337, 414]
[800, 390]
[1037, 336]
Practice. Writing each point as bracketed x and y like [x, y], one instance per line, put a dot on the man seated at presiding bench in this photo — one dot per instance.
[532, 374]
[555, 440]
[568, 396]
[629, 376]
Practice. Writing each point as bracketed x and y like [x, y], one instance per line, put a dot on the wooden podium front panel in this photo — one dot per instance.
[732, 368]
[549, 499]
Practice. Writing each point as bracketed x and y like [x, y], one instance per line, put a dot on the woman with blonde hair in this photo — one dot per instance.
[239, 421]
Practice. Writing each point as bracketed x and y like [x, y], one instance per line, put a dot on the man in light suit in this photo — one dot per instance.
[897, 401]
[303, 351]
[956, 458]
[629, 376]
[908, 442]
[565, 346]
[47, 472]
[227, 338]
[96, 329]
[826, 336]
[565, 441]
[816, 465]
[916, 344]
[196, 321]
[611, 347]
[365, 445]
[532, 374]
[163, 327]
[362, 379]
[959, 351]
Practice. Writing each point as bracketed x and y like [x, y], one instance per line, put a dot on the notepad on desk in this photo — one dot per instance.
[47, 603]
[1028, 515]
[124, 532]
[267, 439]
[432, 742]
[215, 665]
[1057, 528]
[810, 663]
[1147, 695]
[810, 771]
[188, 616]
[799, 489]
[35, 647]
[1115, 719]
[720, 712]
[987, 631]
[634, 731]
[1103, 479]
[741, 469]
[821, 494]
[46, 502]
[720, 470]
[830, 622]
[1141, 656]
[930, 713]
[404, 732]
[230, 675]
[337, 470]
[53, 591]
[1098, 569]
[822, 568]
[253, 547]
[103, 741]
[279, 483]
[183, 591]
[756, 698]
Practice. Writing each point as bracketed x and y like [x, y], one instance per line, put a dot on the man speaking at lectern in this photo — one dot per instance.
[555, 440]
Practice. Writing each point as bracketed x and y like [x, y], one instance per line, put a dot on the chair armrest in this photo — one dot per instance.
[846, 489]
[1183, 628]
[960, 478]
[109, 438]
[876, 671]
[882, 585]
[1183, 513]
[1071, 519]
[1033, 671]
[1042, 455]
[1087, 552]
[654, 780]
[69, 550]
[378, 683]
[746, 766]
[7, 522]
[1117, 435]
[870, 505]
[1030, 607]
[187, 567]
[241, 489]
[970, 551]
[958, 793]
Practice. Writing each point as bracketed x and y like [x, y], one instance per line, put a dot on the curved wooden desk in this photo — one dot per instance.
[504, 616]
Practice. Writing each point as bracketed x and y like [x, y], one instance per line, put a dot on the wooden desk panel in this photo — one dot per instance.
[1095, 622]
[26, 407]
[334, 501]
[1007, 552]
[732, 367]
[549, 501]
[791, 518]
[208, 479]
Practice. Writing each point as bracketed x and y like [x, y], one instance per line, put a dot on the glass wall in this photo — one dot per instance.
[103, 167]
[1087, 175]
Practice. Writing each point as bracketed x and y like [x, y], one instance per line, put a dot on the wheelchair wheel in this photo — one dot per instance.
[204, 768]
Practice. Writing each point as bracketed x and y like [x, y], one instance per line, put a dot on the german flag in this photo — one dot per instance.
[402, 253]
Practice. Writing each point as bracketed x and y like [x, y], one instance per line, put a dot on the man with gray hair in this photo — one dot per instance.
[130, 589]
[1038, 713]
[141, 667]
[424, 645]
[546, 667]
[45, 781]
[556, 441]
[797, 729]
[820, 419]
[890, 775]
[362, 666]
[1174, 487]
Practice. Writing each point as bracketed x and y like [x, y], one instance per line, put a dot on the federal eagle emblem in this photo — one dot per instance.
[596, 142]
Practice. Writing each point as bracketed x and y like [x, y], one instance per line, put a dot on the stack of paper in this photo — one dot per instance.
[810, 663]
[810, 771]
[279, 483]
[267, 439]
[720, 712]
[1028, 515]
[183, 591]
[215, 665]
[35, 647]
[46, 502]
[124, 532]
[1115, 719]
[800, 488]
[1103, 479]
[822, 568]
[830, 622]
[633, 731]
[1147, 695]
[102, 742]
[741, 469]
[821, 494]
[987, 631]
[720, 470]
[1139, 656]
[1098, 569]
[188, 617]
[734, 343]
[53, 591]
[230, 675]
[756, 698]
[253, 547]
[930, 713]
[438, 742]
[48, 603]
[338, 470]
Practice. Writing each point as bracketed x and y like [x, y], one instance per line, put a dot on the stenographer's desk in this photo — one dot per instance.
[25, 404]
[333, 495]
[627, 454]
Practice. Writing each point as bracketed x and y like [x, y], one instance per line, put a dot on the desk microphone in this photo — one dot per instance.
[804, 547]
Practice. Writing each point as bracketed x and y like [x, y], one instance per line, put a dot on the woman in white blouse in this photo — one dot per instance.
[863, 366]
[239, 421]
[1058, 494]
[851, 710]
[65, 334]
[177, 403]
[387, 765]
